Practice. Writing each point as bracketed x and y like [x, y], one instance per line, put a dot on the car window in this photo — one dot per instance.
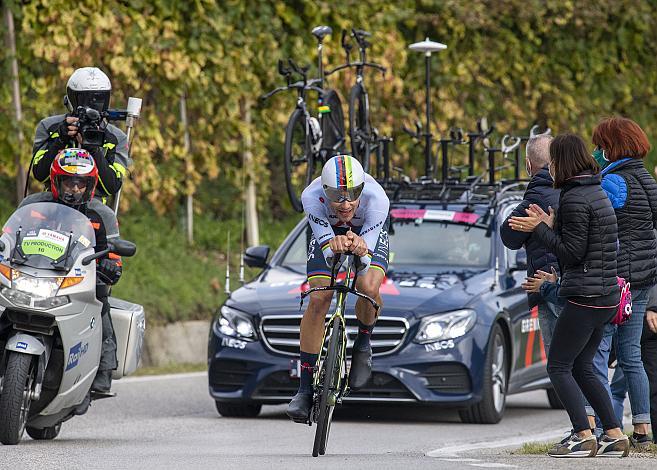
[439, 243]
[297, 252]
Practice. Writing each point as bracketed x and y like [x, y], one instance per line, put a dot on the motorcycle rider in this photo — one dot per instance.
[88, 87]
[73, 179]
[348, 211]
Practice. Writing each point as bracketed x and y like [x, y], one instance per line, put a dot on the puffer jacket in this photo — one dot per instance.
[585, 238]
[633, 195]
[539, 191]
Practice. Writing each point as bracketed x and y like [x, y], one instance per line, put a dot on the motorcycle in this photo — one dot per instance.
[50, 320]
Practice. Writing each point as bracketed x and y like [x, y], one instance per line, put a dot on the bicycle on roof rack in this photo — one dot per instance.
[309, 141]
[364, 137]
[330, 376]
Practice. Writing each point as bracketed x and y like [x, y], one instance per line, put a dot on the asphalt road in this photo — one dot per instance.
[170, 422]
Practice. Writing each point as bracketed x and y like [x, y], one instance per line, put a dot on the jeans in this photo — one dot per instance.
[547, 319]
[577, 336]
[627, 341]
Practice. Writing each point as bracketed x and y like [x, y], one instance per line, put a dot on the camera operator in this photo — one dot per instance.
[87, 99]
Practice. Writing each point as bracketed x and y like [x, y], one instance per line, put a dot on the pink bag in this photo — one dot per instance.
[625, 306]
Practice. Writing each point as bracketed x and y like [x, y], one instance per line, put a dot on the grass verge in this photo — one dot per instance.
[541, 448]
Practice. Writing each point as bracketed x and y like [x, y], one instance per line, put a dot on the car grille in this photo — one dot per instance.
[228, 375]
[448, 378]
[281, 334]
[380, 387]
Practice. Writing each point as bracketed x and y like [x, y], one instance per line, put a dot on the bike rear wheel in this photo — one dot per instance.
[331, 377]
[299, 160]
[360, 131]
[333, 134]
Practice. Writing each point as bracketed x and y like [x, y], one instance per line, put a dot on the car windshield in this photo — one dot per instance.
[419, 244]
[47, 235]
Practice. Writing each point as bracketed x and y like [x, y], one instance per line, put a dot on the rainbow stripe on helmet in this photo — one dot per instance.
[343, 172]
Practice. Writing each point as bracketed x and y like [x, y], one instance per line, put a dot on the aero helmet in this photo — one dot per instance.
[89, 87]
[343, 178]
[71, 167]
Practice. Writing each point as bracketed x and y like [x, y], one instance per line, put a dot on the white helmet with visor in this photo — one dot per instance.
[343, 178]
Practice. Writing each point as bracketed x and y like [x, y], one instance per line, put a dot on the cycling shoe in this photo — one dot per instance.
[361, 368]
[299, 408]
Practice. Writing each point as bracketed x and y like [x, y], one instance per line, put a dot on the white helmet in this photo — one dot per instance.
[343, 178]
[89, 87]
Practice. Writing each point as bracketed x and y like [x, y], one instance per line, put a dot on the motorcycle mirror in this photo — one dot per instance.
[122, 247]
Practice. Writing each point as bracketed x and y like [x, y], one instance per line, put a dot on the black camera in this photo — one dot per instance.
[89, 126]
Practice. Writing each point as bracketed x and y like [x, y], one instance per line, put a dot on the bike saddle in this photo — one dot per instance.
[361, 32]
[321, 31]
[427, 46]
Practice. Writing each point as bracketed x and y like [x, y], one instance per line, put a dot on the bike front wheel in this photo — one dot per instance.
[299, 160]
[360, 131]
[329, 382]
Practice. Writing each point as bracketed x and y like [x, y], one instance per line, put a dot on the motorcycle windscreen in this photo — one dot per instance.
[45, 233]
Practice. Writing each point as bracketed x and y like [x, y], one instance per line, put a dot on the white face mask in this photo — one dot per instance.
[528, 167]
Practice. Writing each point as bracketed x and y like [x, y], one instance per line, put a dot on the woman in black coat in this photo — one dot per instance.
[584, 238]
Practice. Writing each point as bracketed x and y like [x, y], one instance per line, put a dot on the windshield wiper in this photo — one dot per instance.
[62, 264]
[17, 248]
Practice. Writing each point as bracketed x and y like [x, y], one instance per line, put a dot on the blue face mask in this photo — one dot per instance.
[599, 156]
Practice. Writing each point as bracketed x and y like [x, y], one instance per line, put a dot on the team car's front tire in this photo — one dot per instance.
[491, 407]
[234, 410]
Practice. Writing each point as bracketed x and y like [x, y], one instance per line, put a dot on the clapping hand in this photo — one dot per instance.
[533, 284]
[535, 215]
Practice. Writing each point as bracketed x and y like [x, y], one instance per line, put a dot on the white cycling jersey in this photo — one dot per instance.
[369, 219]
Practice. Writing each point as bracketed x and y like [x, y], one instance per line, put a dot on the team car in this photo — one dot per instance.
[455, 329]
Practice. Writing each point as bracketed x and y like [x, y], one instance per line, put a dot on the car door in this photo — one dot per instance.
[528, 362]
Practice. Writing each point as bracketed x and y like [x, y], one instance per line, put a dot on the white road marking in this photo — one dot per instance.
[452, 451]
[460, 460]
[493, 465]
[153, 378]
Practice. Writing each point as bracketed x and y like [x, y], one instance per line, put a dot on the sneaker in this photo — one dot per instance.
[574, 447]
[639, 441]
[361, 368]
[614, 447]
[299, 408]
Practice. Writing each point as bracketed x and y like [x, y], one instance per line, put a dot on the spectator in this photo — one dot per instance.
[584, 236]
[539, 191]
[621, 146]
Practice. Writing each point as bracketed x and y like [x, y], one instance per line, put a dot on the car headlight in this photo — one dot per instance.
[231, 322]
[447, 325]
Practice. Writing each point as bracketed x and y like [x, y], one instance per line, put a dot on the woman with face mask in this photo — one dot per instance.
[583, 235]
[620, 148]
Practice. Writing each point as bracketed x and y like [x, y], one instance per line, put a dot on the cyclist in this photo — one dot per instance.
[88, 87]
[348, 212]
[73, 180]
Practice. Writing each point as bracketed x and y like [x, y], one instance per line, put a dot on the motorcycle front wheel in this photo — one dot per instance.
[16, 397]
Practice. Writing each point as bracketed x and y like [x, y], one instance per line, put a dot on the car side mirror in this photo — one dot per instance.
[122, 247]
[256, 256]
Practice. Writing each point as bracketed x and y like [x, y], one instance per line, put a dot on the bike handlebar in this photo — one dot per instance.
[310, 85]
[381, 68]
[510, 148]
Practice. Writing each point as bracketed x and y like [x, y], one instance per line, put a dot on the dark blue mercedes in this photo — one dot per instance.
[455, 329]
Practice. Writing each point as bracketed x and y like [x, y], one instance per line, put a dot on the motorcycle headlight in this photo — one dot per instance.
[445, 326]
[24, 299]
[42, 287]
[231, 322]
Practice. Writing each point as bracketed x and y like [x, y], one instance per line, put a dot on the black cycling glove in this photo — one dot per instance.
[109, 271]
